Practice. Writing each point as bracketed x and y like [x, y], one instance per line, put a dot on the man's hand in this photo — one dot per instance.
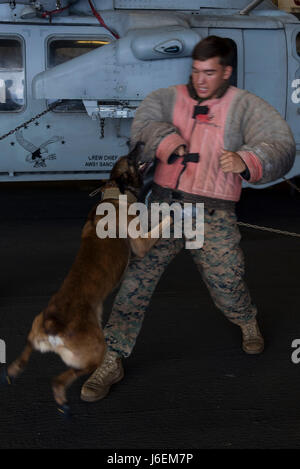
[231, 162]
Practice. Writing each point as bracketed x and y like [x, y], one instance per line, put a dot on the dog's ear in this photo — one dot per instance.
[102, 182]
[137, 152]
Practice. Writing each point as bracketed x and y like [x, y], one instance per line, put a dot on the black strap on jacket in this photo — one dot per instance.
[187, 158]
[190, 158]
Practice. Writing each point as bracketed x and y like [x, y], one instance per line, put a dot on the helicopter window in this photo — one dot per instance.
[298, 43]
[11, 75]
[62, 50]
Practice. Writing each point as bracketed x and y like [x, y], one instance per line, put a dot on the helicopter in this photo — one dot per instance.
[73, 73]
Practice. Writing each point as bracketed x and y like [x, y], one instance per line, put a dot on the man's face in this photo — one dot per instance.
[208, 75]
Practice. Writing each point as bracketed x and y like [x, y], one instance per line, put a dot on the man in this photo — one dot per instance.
[206, 136]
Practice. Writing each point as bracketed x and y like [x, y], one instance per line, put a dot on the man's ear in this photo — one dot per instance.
[227, 72]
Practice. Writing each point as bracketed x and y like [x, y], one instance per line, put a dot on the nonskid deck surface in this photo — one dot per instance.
[188, 384]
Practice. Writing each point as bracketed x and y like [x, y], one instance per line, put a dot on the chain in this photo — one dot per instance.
[25, 124]
[102, 124]
[265, 228]
[273, 230]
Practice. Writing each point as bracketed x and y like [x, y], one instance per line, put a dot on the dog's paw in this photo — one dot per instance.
[5, 379]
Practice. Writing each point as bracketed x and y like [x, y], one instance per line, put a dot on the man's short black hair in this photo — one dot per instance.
[215, 46]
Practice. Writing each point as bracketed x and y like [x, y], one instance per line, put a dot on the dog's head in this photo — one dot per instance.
[126, 172]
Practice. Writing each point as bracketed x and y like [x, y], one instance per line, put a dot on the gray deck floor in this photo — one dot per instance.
[188, 384]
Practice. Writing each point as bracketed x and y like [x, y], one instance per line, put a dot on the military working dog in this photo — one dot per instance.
[70, 325]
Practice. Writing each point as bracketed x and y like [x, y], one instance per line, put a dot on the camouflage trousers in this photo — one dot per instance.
[220, 262]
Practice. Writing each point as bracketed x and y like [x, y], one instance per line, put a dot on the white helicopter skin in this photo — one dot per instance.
[97, 59]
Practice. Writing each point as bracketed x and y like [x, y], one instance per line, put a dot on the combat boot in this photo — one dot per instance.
[253, 341]
[99, 383]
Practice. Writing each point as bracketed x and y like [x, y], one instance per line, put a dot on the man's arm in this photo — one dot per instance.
[268, 147]
[153, 126]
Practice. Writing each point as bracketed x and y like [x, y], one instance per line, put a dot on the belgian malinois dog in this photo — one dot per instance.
[70, 325]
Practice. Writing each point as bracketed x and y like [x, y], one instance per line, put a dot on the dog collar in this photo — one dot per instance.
[114, 193]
